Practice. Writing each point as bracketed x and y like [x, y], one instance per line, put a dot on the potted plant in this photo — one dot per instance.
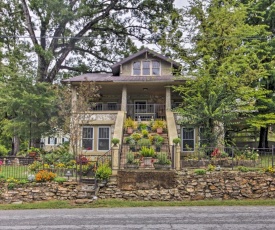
[148, 154]
[176, 141]
[158, 142]
[115, 141]
[162, 162]
[131, 162]
[103, 173]
[33, 152]
[129, 125]
[132, 145]
[158, 126]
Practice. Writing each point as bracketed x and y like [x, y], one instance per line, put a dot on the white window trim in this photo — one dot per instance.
[141, 67]
[101, 138]
[194, 139]
[88, 126]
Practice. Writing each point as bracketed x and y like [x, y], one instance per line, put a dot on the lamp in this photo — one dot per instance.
[145, 89]
[68, 174]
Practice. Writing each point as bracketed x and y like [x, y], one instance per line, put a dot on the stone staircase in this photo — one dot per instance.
[125, 149]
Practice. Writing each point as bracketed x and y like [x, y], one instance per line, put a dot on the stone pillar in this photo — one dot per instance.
[168, 99]
[124, 99]
[115, 160]
[177, 157]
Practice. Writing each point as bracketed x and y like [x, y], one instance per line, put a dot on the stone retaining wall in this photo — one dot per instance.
[185, 186]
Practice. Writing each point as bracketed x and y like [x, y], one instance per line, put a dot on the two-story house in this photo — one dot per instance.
[139, 86]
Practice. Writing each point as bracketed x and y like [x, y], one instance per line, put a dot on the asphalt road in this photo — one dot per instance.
[142, 218]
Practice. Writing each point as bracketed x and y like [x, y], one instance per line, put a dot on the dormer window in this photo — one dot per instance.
[146, 68]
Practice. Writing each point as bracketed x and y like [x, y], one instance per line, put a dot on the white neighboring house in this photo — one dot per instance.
[52, 142]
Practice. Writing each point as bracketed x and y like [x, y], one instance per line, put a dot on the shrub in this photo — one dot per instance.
[136, 136]
[243, 169]
[158, 138]
[158, 124]
[44, 175]
[144, 142]
[3, 150]
[35, 166]
[211, 167]
[130, 158]
[103, 171]
[60, 180]
[142, 126]
[144, 133]
[200, 171]
[224, 155]
[163, 159]
[129, 122]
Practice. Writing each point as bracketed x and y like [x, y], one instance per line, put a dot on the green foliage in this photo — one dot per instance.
[130, 158]
[200, 171]
[243, 169]
[3, 150]
[35, 166]
[144, 133]
[222, 87]
[211, 168]
[176, 140]
[144, 142]
[103, 171]
[147, 152]
[115, 141]
[163, 159]
[60, 180]
[136, 136]
[129, 122]
[158, 124]
[142, 126]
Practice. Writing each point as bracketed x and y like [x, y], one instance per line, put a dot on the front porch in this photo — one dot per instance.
[140, 111]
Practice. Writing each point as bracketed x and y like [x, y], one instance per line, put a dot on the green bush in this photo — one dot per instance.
[163, 159]
[103, 171]
[3, 150]
[60, 180]
[243, 169]
[144, 142]
[200, 171]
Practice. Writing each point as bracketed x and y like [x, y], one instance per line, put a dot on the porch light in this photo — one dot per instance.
[145, 89]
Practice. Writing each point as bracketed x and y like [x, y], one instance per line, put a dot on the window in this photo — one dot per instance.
[146, 68]
[52, 141]
[65, 139]
[103, 138]
[155, 68]
[136, 68]
[88, 138]
[188, 140]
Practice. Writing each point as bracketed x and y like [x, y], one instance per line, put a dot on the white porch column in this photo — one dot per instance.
[168, 99]
[124, 99]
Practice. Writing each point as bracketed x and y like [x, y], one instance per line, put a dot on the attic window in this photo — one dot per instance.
[146, 68]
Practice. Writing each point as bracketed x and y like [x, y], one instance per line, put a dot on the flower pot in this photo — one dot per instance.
[147, 161]
[131, 166]
[162, 167]
[129, 130]
[159, 130]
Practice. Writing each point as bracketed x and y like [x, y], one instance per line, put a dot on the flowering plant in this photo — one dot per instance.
[44, 175]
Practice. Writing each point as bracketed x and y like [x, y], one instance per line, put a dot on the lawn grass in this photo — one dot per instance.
[114, 203]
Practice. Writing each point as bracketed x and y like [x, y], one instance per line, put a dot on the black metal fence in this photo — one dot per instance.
[229, 157]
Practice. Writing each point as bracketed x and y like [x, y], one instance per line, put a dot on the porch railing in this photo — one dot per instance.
[146, 111]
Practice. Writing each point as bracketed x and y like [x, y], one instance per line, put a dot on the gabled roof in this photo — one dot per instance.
[115, 67]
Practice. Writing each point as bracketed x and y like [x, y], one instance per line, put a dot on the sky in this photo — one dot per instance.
[180, 3]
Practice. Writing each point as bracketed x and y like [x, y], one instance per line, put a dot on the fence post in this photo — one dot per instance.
[272, 156]
[115, 160]
[177, 157]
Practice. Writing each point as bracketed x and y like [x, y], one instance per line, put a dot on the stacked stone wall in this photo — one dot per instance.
[161, 186]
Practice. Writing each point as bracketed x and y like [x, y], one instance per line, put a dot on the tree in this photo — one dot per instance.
[263, 13]
[26, 109]
[83, 36]
[224, 63]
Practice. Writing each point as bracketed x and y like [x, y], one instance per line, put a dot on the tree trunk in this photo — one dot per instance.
[263, 142]
[15, 145]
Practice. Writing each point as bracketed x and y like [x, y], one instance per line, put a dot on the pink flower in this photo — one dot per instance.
[1, 162]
